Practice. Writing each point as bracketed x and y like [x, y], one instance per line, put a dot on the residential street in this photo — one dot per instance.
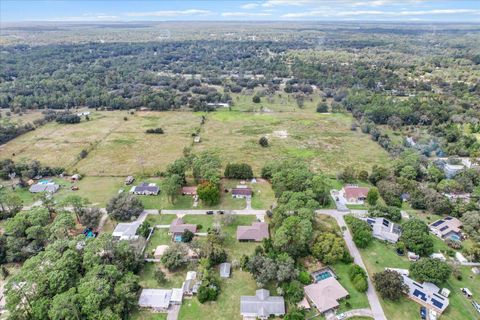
[372, 296]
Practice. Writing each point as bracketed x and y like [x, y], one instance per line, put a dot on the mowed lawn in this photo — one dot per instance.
[241, 283]
[377, 256]
[325, 141]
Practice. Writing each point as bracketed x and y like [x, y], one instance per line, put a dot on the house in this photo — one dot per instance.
[427, 294]
[384, 229]
[261, 305]
[451, 170]
[225, 269]
[355, 194]
[448, 227]
[178, 227]
[325, 294]
[242, 192]
[126, 231]
[256, 232]
[129, 180]
[44, 187]
[190, 285]
[155, 299]
[146, 189]
[218, 104]
[189, 191]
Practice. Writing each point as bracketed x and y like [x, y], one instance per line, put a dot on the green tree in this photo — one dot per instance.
[171, 186]
[175, 257]
[416, 237]
[10, 204]
[124, 207]
[389, 284]
[362, 233]
[430, 270]
[471, 224]
[209, 193]
[293, 236]
[372, 196]
[328, 248]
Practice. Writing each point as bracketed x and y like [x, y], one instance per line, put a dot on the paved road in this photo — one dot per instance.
[372, 296]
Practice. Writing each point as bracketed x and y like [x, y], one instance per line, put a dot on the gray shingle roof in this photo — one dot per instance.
[39, 187]
[155, 298]
[262, 304]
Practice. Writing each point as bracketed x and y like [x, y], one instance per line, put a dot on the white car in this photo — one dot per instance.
[341, 316]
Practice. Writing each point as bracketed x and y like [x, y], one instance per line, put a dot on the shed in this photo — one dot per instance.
[225, 269]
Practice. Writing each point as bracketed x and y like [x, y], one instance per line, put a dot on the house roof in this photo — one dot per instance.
[241, 191]
[178, 226]
[355, 192]
[262, 304]
[225, 270]
[426, 294]
[149, 187]
[325, 294]
[190, 190]
[47, 187]
[155, 298]
[177, 295]
[384, 229]
[257, 231]
[125, 229]
[446, 225]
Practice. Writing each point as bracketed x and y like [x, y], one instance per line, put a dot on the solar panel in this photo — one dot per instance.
[438, 296]
[419, 294]
[437, 223]
[437, 304]
[443, 228]
[386, 223]
[418, 285]
[448, 218]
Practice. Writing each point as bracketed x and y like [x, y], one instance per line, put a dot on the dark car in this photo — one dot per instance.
[210, 212]
[220, 212]
[423, 313]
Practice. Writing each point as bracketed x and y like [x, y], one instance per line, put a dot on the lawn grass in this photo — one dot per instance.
[378, 255]
[356, 300]
[148, 315]
[227, 305]
[174, 279]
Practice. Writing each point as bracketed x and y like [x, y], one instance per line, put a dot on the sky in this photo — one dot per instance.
[233, 10]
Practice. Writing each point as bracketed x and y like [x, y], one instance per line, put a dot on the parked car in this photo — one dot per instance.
[220, 212]
[423, 313]
[210, 212]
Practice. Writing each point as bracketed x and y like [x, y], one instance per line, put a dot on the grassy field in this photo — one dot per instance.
[323, 140]
[118, 148]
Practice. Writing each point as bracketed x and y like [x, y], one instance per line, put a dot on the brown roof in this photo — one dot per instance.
[178, 226]
[325, 294]
[189, 190]
[256, 232]
[242, 191]
[353, 192]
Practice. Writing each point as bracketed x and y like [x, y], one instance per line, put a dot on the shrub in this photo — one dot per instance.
[154, 131]
[362, 234]
[263, 142]
[322, 107]
[358, 276]
[304, 277]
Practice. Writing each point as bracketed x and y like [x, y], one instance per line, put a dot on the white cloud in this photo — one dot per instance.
[405, 13]
[246, 14]
[170, 13]
[251, 5]
[86, 17]
[275, 3]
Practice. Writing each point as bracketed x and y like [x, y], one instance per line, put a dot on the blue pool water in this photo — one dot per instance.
[322, 276]
[177, 238]
[455, 237]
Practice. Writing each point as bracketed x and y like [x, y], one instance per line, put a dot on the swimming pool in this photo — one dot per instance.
[177, 238]
[322, 275]
[455, 237]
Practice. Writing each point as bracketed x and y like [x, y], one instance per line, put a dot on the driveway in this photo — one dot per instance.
[372, 296]
[173, 312]
[340, 201]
